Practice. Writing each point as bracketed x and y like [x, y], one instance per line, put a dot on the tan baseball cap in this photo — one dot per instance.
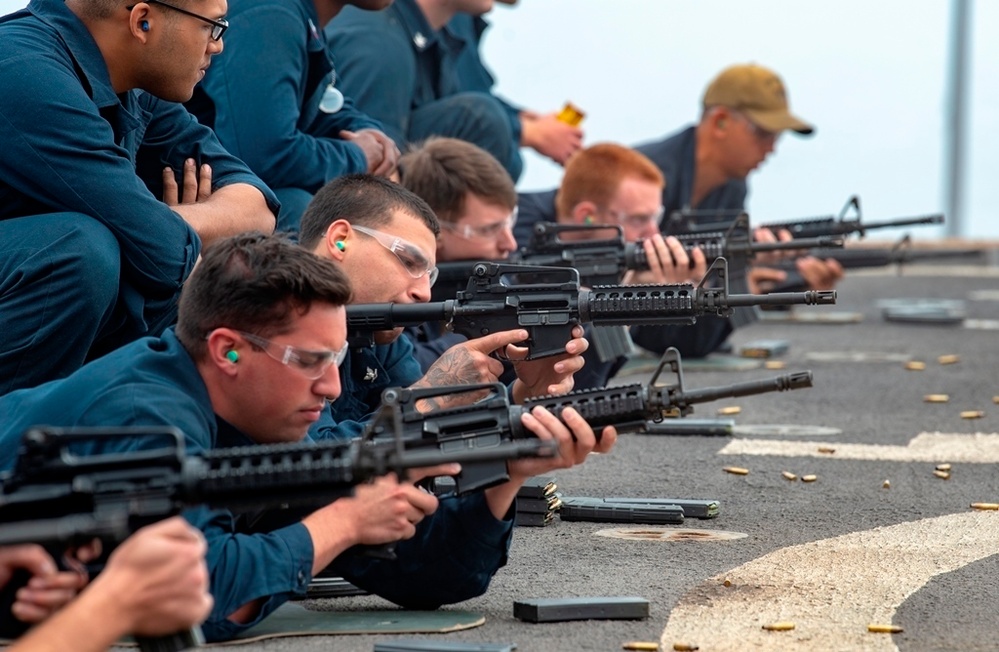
[758, 93]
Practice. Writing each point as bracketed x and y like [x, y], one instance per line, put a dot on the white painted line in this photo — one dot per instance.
[831, 589]
[982, 324]
[978, 448]
[783, 430]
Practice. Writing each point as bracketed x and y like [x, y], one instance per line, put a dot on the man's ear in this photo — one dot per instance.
[721, 118]
[585, 212]
[338, 239]
[139, 23]
[221, 343]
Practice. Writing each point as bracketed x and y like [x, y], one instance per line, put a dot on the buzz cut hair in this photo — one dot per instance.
[360, 199]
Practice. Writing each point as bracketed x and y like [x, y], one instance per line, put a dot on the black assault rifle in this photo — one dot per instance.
[60, 500]
[699, 221]
[865, 257]
[548, 303]
[630, 408]
[604, 261]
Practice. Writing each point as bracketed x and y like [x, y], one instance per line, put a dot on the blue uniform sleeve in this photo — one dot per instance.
[453, 557]
[513, 116]
[244, 567]
[176, 135]
[376, 68]
[61, 154]
[349, 117]
[258, 89]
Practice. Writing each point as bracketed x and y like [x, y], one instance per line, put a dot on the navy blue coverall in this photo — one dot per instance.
[90, 258]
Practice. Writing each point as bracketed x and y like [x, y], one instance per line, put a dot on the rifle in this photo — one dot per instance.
[863, 257]
[628, 407]
[59, 500]
[548, 303]
[604, 261]
[691, 221]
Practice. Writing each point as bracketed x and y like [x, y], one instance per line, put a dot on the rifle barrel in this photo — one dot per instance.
[807, 298]
[936, 218]
[829, 226]
[629, 406]
[863, 257]
[781, 383]
[74, 527]
[797, 243]
[386, 316]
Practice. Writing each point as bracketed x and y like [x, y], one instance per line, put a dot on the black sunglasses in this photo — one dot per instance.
[218, 26]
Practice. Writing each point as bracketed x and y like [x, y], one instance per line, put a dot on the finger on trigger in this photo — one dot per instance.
[500, 339]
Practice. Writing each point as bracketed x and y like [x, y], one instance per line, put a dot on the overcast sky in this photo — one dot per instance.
[869, 75]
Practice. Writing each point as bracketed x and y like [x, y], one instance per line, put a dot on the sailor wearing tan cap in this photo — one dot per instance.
[744, 113]
[745, 110]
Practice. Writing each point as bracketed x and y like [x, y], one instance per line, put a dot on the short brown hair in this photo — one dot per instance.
[256, 283]
[595, 173]
[360, 199]
[443, 171]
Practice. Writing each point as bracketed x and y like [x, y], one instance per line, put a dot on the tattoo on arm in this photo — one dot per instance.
[455, 367]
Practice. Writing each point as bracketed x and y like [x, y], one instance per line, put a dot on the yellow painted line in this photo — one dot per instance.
[830, 589]
[977, 448]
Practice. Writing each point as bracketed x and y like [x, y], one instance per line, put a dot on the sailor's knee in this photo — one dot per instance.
[480, 112]
[86, 256]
